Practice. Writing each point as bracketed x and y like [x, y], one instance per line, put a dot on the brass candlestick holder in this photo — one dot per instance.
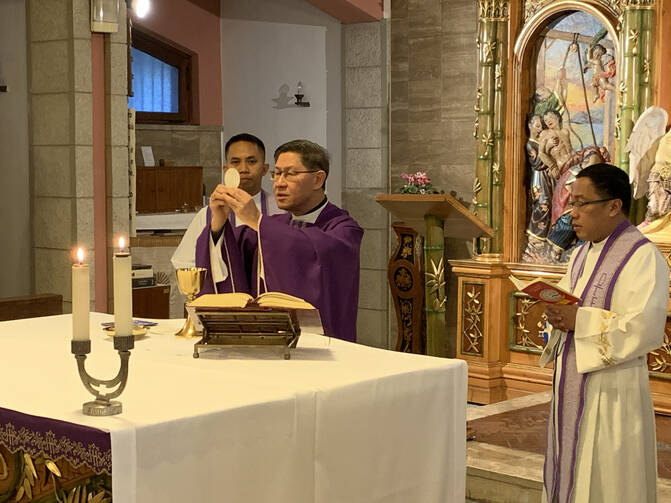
[103, 405]
[190, 281]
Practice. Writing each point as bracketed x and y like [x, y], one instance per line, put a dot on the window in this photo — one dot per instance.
[155, 84]
[163, 80]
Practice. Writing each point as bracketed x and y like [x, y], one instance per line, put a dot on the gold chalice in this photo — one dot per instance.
[190, 280]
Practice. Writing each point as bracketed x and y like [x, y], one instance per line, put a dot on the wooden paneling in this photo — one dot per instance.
[162, 189]
[145, 187]
[152, 302]
[31, 306]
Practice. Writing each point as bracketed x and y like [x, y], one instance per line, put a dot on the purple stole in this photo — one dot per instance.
[559, 469]
[236, 266]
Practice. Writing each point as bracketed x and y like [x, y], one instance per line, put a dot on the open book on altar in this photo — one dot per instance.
[275, 300]
[238, 319]
[545, 291]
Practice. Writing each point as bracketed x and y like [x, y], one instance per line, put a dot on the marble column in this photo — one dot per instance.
[366, 170]
[60, 82]
[59, 47]
[433, 82]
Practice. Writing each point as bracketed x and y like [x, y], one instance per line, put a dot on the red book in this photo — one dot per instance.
[541, 289]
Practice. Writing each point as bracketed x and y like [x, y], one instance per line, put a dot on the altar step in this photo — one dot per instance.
[501, 475]
[505, 461]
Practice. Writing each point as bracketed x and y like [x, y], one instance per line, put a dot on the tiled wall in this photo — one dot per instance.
[59, 46]
[433, 74]
[428, 118]
[61, 138]
[433, 83]
[366, 169]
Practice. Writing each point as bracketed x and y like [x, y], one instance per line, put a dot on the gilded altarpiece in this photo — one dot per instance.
[565, 95]
[473, 313]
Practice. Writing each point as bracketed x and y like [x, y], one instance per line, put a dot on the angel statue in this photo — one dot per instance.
[602, 65]
[650, 165]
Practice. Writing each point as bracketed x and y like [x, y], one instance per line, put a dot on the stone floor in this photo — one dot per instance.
[505, 459]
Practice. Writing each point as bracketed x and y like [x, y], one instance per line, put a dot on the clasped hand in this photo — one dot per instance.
[224, 199]
[562, 317]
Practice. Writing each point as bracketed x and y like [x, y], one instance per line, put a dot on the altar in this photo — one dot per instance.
[337, 422]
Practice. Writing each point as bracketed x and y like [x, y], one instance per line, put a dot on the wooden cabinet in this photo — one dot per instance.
[152, 302]
[31, 306]
[163, 189]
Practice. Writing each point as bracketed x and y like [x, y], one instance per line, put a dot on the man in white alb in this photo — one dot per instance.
[601, 444]
[247, 154]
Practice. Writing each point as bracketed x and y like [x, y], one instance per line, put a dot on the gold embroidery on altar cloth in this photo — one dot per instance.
[49, 446]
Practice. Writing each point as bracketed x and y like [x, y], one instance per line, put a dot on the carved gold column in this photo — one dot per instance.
[635, 92]
[489, 128]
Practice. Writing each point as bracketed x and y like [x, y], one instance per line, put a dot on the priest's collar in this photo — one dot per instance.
[311, 216]
[598, 246]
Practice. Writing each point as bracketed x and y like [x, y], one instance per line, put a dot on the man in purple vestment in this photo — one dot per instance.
[312, 252]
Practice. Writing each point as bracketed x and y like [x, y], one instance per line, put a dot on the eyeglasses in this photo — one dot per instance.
[580, 204]
[289, 175]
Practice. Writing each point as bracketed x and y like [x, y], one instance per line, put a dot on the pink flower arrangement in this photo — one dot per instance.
[418, 183]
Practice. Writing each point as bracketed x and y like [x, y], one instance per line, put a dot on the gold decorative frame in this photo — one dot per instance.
[473, 319]
[544, 11]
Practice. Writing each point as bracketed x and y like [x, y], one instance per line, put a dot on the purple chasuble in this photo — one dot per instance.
[562, 440]
[317, 262]
[237, 279]
[237, 274]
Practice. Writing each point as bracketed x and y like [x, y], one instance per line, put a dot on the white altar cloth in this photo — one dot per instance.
[339, 422]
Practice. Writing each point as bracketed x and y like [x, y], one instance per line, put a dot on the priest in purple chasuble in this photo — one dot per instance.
[311, 252]
[601, 444]
[246, 154]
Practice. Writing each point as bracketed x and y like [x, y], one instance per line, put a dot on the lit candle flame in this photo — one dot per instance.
[122, 243]
[80, 255]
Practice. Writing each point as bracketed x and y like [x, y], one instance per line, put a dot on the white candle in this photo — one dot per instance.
[123, 298]
[81, 298]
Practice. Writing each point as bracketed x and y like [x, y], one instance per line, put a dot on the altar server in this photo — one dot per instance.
[601, 434]
[311, 252]
[247, 154]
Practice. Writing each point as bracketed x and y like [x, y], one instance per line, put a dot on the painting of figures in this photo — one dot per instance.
[571, 125]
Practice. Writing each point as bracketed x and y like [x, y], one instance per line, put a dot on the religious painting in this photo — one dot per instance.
[570, 125]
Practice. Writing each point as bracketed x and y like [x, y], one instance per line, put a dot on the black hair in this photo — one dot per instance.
[560, 119]
[609, 181]
[314, 157]
[249, 138]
